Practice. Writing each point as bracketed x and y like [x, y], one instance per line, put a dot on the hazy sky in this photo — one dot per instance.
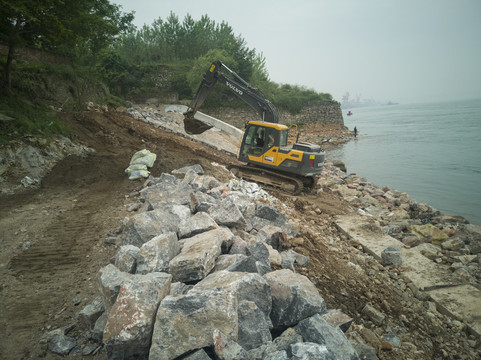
[389, 50]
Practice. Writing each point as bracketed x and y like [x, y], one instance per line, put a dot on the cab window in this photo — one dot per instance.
[283, 138]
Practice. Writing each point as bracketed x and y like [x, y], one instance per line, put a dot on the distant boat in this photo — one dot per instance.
[349, 113]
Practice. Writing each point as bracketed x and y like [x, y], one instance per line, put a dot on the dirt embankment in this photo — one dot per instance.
[54, 242]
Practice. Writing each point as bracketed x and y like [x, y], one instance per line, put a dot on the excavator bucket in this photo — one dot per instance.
[193, 126]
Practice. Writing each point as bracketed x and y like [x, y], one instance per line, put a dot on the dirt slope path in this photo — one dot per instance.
[53, 239]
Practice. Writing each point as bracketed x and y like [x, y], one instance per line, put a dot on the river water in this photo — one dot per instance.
[431, 151]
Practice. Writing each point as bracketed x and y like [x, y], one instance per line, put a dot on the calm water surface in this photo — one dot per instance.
[430, 151]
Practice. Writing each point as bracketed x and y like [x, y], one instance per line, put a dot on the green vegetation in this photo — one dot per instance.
[98, 55]
[21, 117]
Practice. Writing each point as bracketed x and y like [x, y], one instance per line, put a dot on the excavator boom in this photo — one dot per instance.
[218, 73]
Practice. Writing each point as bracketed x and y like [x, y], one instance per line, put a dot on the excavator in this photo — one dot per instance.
[270, 157]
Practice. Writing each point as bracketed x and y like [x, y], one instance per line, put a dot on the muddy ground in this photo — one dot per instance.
[53, 244]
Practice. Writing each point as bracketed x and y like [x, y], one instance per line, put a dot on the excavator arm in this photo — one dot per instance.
[252, 96]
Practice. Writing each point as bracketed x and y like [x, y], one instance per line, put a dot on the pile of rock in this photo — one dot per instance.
[205, 272]
[448, 240]
[26, 163]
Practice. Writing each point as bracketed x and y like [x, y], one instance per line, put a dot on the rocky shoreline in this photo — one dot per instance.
[239, 236]
[204, 271]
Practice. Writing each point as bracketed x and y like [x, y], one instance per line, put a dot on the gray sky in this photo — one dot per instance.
[407, 51]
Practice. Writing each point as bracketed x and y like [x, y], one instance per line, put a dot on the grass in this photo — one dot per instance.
[22, 118]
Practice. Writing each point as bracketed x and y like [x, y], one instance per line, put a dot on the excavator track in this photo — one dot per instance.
[290, 184]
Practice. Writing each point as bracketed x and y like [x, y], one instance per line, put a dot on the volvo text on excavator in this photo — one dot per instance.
[265, 147]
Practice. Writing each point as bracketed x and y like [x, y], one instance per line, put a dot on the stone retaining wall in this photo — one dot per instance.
[329, 111]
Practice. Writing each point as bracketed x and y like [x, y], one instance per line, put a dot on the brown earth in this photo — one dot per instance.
[53, 244]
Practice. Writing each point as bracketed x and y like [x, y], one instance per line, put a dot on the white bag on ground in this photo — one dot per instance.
[139, 163]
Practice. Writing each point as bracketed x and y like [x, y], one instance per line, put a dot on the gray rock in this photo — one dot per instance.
[61, 344]
[226, 349]
[179, 288]
[197, 168]
[452, 244]
[204, 183]
[337, 318]
[372, 314]
[285, 341]
[365, 352]
[156, 254]
[197, 355]
[199, 223]
[189, 176]
[259, 251]
[90, 313]
[308, 350]
[142, 227]
[274, 236]
[270, 213]
[198, 255]
[277, 355]
[131, 320]
[167, 192]
[244, 264]
[316, 330]
[392, 339]
[294, 298]
[195, 314]
[201, 202]
[391, 256]
[246, 207]
[290, 257]
[225, 261]
[239, 246]
[109, 279]
[126, 258]
[340, 165]
[99, 327]
[245, 286]
[89, 349]
[254, 330]
[228, 214]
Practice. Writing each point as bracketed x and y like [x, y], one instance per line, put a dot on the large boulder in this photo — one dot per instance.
[129, 327]
[109, 279]
[201, 202]
[187, 322]
[199, 223]
[212, 304]
[294, 298]
[155, 254]
[316, 330]
[168, 191]
[429, 231]
[90, 313]
[228, 214]
[198, 255]
[126, 258]
[142, 227]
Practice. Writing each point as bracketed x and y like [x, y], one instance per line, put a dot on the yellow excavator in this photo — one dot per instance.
[270, 157]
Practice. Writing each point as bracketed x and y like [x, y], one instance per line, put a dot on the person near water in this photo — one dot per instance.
[355, 131]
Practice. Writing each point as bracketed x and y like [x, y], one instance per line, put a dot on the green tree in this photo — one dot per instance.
[59, 26]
